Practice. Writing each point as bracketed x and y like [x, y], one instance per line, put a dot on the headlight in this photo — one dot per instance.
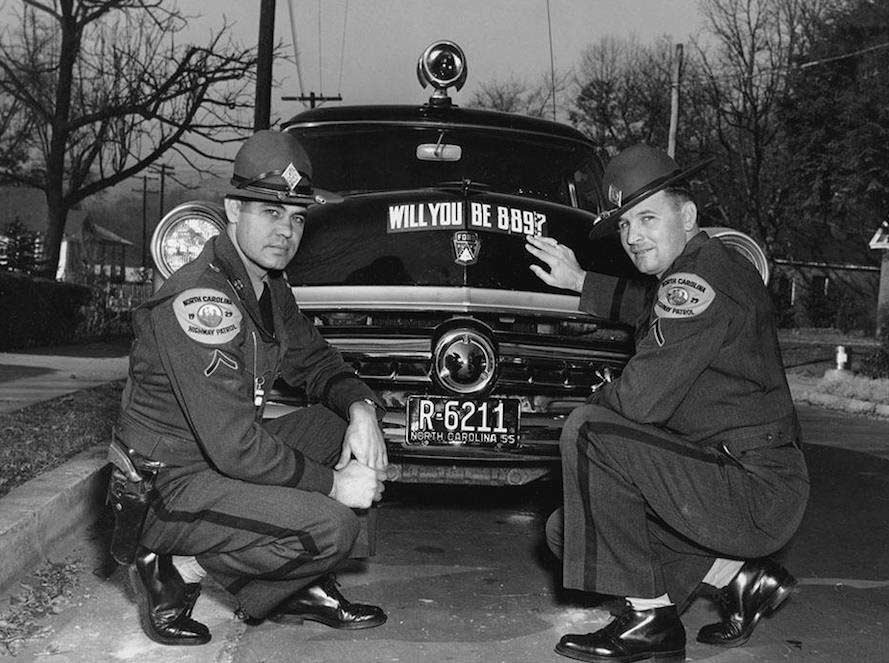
[746, 246]
[182, 233]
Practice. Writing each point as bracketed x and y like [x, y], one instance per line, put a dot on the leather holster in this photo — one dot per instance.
[130, 493]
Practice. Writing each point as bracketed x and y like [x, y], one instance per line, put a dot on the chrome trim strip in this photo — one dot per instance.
[424, 298]
[420, 350]
[402, 348]
[521, 351]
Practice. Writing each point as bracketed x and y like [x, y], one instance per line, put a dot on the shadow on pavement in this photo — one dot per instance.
[844, 533]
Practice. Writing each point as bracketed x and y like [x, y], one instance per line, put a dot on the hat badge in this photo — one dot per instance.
[615, 195]
[292, 176]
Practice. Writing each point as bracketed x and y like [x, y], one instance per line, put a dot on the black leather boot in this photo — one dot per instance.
[322, 602]
[165, 601]
[633, 635]
[758, 589]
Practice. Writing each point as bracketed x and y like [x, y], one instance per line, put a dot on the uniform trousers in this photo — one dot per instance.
[260, 542]
[646, 512]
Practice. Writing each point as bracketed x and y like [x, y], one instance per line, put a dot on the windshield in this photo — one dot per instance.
[391, 157]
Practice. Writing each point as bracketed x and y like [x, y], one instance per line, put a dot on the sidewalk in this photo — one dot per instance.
[35, 517]
[28, 377]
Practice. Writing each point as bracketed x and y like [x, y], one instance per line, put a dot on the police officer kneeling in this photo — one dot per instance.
[685, 472]
[264, 507]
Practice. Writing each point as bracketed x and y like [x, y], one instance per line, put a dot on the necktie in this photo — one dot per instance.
[265, 309]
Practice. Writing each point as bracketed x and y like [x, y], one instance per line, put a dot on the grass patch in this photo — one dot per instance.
[42, 436]
[874, 390]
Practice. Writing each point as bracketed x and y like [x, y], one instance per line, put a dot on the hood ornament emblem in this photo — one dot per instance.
[466, 247]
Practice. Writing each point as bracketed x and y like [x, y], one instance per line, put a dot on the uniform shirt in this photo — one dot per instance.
[707, 358]
[202, 363]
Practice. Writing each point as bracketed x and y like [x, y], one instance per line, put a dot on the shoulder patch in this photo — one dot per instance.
[683, 295]
[207, 315]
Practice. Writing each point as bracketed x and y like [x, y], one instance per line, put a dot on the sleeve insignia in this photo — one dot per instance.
[658, 334]
[683, 295]
[207, 316]
[220, 359]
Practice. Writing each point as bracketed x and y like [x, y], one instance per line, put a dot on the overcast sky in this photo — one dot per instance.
[368, 49]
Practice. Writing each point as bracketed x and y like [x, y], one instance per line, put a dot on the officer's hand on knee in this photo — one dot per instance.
[357, 485]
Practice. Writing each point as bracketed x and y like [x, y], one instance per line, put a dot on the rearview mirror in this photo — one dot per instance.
[439, 152]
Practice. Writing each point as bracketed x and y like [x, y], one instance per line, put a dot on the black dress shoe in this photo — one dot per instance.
[633, 635]
[165, 601]
[758, 589]
[322, 602]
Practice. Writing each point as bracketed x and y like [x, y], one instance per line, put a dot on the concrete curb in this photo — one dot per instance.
[38, 514]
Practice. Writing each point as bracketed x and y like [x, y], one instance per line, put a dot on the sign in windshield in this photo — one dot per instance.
[453, 215]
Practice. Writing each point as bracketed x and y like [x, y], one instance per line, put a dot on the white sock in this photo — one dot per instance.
[722, 572]
[648, 604]
[189, 568]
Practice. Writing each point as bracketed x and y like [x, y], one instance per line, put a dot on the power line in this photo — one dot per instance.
[320, 51]
[313, 98]
[788, 68]
[552, 61]
[299, 75]
[805, 65]
[339, 85]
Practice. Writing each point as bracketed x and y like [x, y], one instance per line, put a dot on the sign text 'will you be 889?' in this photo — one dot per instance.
[451, 215]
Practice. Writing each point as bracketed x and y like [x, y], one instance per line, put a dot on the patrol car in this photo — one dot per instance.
[421, 279]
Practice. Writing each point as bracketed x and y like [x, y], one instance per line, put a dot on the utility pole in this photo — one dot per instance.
[311, 97]
[163, 169]
[145, 193]
[880, 242]
[262, 108]
[674, 101]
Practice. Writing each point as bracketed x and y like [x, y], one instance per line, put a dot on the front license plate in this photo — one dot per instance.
[440, 420]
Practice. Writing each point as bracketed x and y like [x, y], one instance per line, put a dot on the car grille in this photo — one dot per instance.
[523, 368]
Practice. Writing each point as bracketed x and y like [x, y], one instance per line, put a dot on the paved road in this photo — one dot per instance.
[32, 376]
[464, 578]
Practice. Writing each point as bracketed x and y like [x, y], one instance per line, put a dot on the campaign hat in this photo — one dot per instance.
[274, 166]
[632, 176]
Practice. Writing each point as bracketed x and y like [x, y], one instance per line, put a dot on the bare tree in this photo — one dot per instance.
[95, 91]
[15, 133]
[755, 44]
[836, 125]
[624, 92]
[517, 96]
